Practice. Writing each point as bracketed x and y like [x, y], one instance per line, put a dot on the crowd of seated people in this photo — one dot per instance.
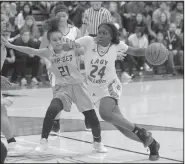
[139, 23]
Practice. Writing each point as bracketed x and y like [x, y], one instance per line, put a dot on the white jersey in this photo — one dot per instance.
[100, 69]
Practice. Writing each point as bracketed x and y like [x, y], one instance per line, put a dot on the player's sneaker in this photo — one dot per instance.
[43, 145]
[145, 137]
[154, 151]
[14, 149]
[99, 147]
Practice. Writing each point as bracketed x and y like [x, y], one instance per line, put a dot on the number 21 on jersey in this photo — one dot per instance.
[97, 71]
[64, 71]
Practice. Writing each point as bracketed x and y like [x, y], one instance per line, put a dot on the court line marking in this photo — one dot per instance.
[120, 148]
[99, 158]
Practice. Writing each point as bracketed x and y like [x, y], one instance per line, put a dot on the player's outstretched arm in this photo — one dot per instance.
[136, 51]
[26, 50]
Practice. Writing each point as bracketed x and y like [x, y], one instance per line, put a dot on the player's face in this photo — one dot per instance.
[56, 40]
[63, 17]
[104, 35]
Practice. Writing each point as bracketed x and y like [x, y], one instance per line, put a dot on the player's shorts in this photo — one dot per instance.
[76, 93]
[113, 89]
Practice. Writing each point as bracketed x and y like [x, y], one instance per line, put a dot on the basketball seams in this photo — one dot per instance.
[158, 50]
[158, 54]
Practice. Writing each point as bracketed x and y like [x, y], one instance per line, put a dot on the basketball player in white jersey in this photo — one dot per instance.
[69, 86]
[104, 85]
[70, 32]
[14, 149]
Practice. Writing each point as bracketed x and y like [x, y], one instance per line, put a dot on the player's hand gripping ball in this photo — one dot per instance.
[156, 54]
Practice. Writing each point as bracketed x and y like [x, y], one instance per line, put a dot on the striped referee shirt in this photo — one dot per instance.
[93, 18]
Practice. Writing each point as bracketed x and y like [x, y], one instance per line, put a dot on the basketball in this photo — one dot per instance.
[156, 54]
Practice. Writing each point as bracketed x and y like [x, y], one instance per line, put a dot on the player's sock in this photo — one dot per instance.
[94, 123]
[54, 108]
[144, 136]
[11, 140]
[56, 125]
[136, 129]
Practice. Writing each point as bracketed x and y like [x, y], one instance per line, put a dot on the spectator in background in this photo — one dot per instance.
[128, 13]
[179, 9]
[76, 13]
[157, 13]
[179, 25]
[139, 22]
[162, 24]
[174, 44]
[93, 17]
[27, 10]
[139, 40]
[121, 63]
[116, 18]
[30, 24]
[10, 58]
[148, 21]
[22, 61]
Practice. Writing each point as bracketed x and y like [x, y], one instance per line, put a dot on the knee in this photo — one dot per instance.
[105, 117]
[54, 109]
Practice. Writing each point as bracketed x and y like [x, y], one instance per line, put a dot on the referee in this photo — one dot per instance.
[93, 17]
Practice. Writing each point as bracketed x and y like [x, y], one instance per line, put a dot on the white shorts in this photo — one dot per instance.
[113, 89]
[76, 93]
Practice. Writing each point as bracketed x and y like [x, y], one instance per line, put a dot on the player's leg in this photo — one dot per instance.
[56, 125]
[54, 108]
[62, 93]
[14, 148]
[81, 98]
[87, 126]
[3, 152]
[61, 101]
[110, 112]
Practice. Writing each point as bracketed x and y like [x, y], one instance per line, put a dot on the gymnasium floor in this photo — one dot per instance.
[156, 105]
